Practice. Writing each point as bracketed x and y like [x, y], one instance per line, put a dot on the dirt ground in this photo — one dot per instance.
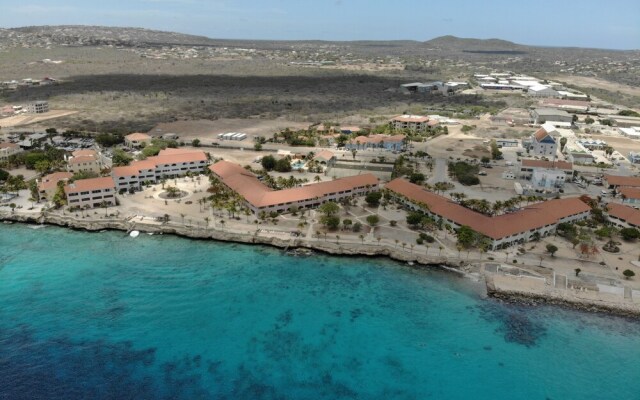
[599, 83]
[209, 129]
[27, 119]
[620, 143]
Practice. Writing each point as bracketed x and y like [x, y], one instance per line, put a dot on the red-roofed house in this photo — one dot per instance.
[91, 193]
[48, 184]
[503, 230]
[258, 197]
[623, 216]
[617, 181]
[630, 196]
[411, 122]
[84, 161]
[136, 140]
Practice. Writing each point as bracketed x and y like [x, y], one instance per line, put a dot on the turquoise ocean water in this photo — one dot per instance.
[104, 316]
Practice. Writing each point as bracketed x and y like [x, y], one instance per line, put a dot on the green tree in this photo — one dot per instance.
[120, 158]
[195, 142]
[589, 120]
[268, 162]
[373, 220]
[563, 142]
[373, 198]
[4, 175]
[628, 274]
[332, 222]
[417, 178]
[629, 233]
[467, 237]
[552, 249]
[329, 208]
[283, 165]
[577, 271]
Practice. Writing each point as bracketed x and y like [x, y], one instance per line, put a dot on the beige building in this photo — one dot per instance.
[410, 122]
[8, 149]
[84, 161]
[48, 184]
[135, 140]
[91, 193]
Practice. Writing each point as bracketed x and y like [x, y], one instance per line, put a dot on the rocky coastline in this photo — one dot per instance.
[469, 270]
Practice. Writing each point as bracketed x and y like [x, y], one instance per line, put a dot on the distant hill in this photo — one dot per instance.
[488, 46]
[80, 35]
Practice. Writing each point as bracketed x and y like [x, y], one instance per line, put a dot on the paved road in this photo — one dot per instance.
[439, 171]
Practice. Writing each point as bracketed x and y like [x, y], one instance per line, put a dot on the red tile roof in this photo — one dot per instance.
[377, 139]
[153, 162]
[630, 192]
[138, 136]
[547, 164]
[616, 180]
[81, 159]
[83, 185]
[325, 155]
[259, 195]
[628, 214]
[51, 181]
[531, 217]
[82, 153]
[410, 118]
[541, 134]
[8, 145]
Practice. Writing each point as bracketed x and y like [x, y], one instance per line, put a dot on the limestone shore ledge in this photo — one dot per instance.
[501, 288]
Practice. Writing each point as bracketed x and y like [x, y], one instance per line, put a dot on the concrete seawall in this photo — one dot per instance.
[498, 287]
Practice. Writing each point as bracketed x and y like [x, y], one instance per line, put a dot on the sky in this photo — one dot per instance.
[612, 24]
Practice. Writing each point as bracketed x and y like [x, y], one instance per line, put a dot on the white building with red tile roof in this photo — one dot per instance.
[84, 161]
[91, 193]
[630, 196]
[503, 230]
[618, 181]
[623, 216]
[410, 122]
[258, 197]
[168, 164]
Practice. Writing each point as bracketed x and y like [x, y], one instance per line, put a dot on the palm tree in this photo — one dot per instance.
[206, 221]
[222, 223]
[361, 238]
[440, 252]
[337, 239]
[182, 216]
[397, 241]
[317, 178]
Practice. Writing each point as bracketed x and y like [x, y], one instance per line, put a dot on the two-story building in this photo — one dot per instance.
[502, 231]
[528, 166]
[260, 198]
[91, 193]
